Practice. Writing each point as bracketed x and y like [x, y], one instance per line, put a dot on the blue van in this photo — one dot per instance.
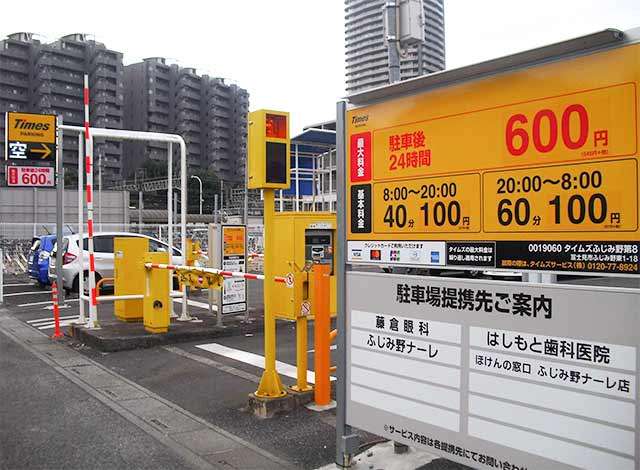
[39, 258]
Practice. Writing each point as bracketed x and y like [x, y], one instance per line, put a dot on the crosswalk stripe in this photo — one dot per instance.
[52, 324]
[45, 302]
[255, 360]
[195, 303]
[15, 294]
[48, 319]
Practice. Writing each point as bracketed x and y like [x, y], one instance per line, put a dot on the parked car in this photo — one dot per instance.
[103, 248]
[38, 258]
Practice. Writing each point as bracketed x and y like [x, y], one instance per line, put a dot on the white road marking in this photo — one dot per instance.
[195, 303]
[333, 347]
[53, 325]
[19, 285]
[28, 293]
[255, 360]
[50, 318]
[46, 302]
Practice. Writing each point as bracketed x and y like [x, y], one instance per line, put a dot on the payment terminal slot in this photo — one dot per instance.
[319, 247]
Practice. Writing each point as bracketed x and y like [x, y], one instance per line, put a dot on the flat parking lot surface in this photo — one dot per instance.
[210, 379]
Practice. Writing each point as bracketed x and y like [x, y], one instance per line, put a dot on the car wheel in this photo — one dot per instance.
[86, 282]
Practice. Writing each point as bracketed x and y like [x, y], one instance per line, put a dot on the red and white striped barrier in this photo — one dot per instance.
[288, 280]
[56, 311]
[88, 145]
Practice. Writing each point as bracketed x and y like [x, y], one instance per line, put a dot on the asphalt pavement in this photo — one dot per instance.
[58, 419]
[49, 422]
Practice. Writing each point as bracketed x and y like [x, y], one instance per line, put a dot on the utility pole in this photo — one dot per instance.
[200, 183]
[390, 15]
[404, 27]
[221, 200]
[246, 193]
[140, 207]
[100, 190]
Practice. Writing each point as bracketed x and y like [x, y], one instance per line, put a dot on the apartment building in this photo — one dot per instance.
[366, 50]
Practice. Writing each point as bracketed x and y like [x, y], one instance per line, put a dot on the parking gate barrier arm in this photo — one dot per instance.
[223, 273]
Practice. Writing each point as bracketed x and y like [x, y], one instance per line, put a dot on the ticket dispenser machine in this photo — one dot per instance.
[302, 238]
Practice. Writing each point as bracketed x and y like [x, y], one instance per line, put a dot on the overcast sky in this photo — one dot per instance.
[289, 54]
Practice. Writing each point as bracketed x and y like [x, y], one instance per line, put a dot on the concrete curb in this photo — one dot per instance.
[121, 336]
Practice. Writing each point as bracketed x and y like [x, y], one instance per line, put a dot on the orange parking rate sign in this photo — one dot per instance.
[502, 171]
[233, 241]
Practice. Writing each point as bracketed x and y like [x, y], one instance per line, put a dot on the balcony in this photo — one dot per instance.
[106, 58]
[16, 52]
[187, 104]
[13, 65]
[60, 102]
[188, 114]
[184, 93]
[14, 79]
[104, 72]
[188, 126]
[158, 108]
[217, 123]
[159, 119]
[221, 113]
[57, 88]
[67, 64]
[106, 98]
[14, 95]
[159, 72]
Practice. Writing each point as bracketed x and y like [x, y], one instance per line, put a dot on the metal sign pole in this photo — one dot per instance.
[59, 208]
[346, 442]
[81, 318]
[219, 247]
[1, 276]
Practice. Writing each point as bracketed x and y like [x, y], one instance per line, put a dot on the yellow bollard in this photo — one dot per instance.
[156, 295]
[128, 269]
[301, 355]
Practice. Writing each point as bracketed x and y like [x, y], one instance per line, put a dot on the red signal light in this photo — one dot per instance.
[276, 126]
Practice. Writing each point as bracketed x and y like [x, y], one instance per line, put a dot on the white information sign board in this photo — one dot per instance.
[496, 374]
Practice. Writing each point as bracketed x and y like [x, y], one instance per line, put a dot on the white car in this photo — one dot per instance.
[103, 248]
